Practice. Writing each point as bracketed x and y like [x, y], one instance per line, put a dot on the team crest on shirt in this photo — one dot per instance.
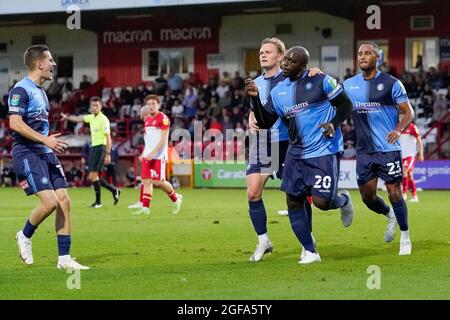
[380, 87]
[15, 100]
[165, 121]
[308, 86]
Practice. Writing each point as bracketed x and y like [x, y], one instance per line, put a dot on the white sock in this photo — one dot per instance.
[404, 236]
[390, 214]
[263, 238]
[65, 257]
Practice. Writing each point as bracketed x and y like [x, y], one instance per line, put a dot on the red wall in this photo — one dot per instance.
[121, 63]
[395, 26]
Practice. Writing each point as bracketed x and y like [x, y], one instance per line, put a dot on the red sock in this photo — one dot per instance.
[146, 198]
[412, 186]
[172, 195]
[309, 198]
[405, 184]
[141, 193]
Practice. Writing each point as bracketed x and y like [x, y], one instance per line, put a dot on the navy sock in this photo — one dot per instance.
[97, 186]
[378, 206]
[28, 229]
[339, 201]
[401, 213]
[258, 215]
[300, 226]
[107, 186]
[308, 210]
[64, 242]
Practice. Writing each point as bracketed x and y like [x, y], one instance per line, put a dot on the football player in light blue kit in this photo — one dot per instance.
[377, 99]
[307, 106]
[37, 168]
[267, 147]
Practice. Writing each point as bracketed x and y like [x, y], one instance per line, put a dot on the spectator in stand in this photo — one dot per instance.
[225, 101]
[226, 79]
[427, 101]
[447, 97]
[190, 98]
[216, 124]
[237, 83]
[222, 89]
[131, 177]
[142, 91]
[348, 74]
[236, 99]
[134, 113]
[175, 83]
[236, 116]
[74, 175]
[168, 99]
[8, 176]
[160, 84]
[439, 110]
[210, 88]
[126, 97]
[82, 105]
[54, 90]
[202, 110]
[214, 109]
[3, 110]
[227, 123]
[348, 132]
[349, 151]
[177, 109]
[84, 84]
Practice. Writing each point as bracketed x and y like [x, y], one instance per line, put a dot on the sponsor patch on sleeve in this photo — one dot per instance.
[15, 99]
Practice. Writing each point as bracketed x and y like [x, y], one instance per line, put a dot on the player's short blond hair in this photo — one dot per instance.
[277, 42]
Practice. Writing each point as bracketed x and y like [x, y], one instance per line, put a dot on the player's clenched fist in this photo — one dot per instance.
[251, 87]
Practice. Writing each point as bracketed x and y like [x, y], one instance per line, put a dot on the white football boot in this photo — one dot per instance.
[389, 234]
[177, 204]
[310, 257]
[67, 262]
[347, 210]
[261, 249]
[25, 249]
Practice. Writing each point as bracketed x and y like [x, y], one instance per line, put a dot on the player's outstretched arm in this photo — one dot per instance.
[344, 107]
[18, 125]
[72, 118]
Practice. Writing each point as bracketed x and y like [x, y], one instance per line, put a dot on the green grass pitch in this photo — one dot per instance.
[203, 252]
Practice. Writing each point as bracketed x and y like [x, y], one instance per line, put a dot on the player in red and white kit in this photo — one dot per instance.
[409, 140]
[154, 157]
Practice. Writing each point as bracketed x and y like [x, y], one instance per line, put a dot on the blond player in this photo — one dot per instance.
[155, 155]
[409, 141]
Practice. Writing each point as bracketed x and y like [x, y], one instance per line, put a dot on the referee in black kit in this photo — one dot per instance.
[100, 152]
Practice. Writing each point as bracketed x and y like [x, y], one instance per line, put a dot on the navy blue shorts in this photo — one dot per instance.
[385, 165]
[260, 161]
[315, 176]
[39, 172]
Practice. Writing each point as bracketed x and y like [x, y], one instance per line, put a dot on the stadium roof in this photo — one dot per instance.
[202, 10]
